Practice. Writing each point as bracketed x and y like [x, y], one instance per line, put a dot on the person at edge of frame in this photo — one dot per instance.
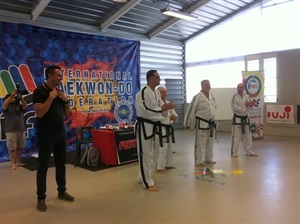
[13, 107]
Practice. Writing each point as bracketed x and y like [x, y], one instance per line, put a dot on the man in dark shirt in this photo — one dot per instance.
[51, 106]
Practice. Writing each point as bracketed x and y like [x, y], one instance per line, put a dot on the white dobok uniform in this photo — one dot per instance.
[148, 107]
[241, 124]
[165, 158]
[203, 110]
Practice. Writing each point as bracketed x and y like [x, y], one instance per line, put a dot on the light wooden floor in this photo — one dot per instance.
[263, 189]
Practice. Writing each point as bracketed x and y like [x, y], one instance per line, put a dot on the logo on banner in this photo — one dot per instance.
[127, 144]
[16, 74]
[253, 127]
[253, 86]
[280, 114]
[123, 111]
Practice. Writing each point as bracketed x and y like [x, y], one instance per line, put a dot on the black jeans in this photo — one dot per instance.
[47, 143]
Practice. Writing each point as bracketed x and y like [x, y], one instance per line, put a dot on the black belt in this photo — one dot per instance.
[211, 125]
[157, 128]
[244, 120]
[169, 132]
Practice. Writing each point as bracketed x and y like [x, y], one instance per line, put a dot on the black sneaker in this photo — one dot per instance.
[66, 197]
[41, 205]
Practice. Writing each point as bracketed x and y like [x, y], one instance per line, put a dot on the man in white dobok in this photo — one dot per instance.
[241, 104]
[165, 158]
[203, 109]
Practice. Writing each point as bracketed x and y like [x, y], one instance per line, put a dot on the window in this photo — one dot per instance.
[252, 65]
[225, 75]
[270, 71]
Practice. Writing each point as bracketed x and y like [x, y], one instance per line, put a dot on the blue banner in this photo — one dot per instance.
[100, 75]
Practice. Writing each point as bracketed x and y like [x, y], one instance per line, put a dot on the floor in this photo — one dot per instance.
[262, 189]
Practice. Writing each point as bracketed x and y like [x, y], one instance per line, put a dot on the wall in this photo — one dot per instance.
[167, 58]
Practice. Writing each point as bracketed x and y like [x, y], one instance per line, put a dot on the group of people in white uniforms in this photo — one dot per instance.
[203, 109]
[153, 113]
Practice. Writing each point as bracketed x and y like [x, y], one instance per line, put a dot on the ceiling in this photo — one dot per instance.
[132, 19]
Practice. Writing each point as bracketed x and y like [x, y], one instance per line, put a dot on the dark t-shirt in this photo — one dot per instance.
[53, 120]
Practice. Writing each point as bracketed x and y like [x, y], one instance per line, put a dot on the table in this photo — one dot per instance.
[116, 146]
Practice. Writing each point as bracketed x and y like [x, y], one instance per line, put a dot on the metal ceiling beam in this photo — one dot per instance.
[196, 6]
[172, 21]
[39, 9]
[57, 24]
[13, 17]
[118, 14]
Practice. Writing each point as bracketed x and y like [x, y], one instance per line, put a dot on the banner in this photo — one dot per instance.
[100, 75]
[126, 146]
[280, 114]
[254, 87]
